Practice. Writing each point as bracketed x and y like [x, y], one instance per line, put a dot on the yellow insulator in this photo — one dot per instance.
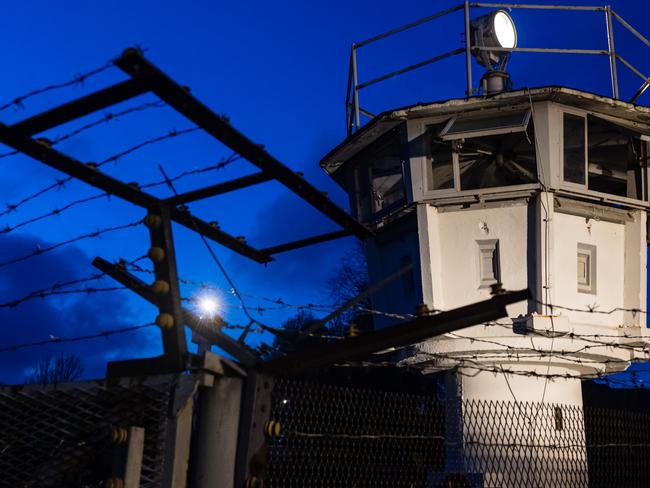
[165, 320]
[160, 287]
[254, 482]
[152, 221]
[156, 254]
[353, 330]
[272, 429]
[119, 435]
[114, 483]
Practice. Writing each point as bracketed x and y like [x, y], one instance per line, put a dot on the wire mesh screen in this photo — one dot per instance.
[60, 435]
[367, 436]
[348, 436]
[524, 444]
[618, 447]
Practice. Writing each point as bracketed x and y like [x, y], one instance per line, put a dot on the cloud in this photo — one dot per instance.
[64, 316]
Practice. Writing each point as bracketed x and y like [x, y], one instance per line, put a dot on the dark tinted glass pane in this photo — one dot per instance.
[379, 184]
[574, 149]
[387, 181]
[616, 159]
[441, 169]
[502, 160]
[501, 121]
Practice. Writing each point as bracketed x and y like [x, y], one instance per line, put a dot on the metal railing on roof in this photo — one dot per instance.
[354, 110]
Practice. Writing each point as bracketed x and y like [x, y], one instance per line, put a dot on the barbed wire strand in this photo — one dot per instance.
[61, 182]
[78, 79]
[91, 235]
[59, 210]
[108, 117]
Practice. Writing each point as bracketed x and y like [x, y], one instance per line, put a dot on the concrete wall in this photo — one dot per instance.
[454, 256]
[609, 240]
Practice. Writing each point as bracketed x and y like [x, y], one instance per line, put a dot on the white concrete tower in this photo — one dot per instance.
[544, 188]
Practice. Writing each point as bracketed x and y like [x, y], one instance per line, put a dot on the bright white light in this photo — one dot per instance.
[504, 28]
[208, 305]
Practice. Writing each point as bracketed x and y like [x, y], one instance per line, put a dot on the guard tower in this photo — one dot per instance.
[542, 188]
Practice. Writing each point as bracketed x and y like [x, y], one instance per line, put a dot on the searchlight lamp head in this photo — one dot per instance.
[494, 30]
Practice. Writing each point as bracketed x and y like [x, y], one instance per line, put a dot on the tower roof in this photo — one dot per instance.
[637, 115]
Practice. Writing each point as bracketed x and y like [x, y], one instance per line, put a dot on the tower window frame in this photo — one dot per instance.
[627, 181]
[471, 154]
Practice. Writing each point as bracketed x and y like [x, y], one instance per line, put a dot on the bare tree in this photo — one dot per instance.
[61, 369]
[348, 280]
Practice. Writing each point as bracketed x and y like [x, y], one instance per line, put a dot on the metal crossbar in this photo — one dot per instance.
[144, 77]
[354, 111]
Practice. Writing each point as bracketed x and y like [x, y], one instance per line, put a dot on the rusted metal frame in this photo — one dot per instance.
[134, 64]
[410, 25]
[133, 283]
[468, 49]
[646, 79]
[290, 246]
[404, 334]
[219, 188]
[186, 219]
[80, 107]
[412, 67]
[173, 338]
[612, 51]
[635, 32]
[537, 7]
[96, 178]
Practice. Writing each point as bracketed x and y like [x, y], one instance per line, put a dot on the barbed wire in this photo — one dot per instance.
[91, 235]
[59, 340]
[108, 117]
[77, 79]
[49, 290]
[60, 183]
[59, 210]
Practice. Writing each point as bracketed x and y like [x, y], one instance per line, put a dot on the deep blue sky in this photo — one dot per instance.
[278, 71]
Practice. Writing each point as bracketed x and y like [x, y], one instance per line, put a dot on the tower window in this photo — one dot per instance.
[489, 268]
[574, 149]
[586, 268]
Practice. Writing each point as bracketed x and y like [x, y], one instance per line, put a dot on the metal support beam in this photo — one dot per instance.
[80, 107]
[133, 63]
[400, 335]
[612, 51]
[290, 246]
[91, 175]
[207, 330]
[219, 188]
[169, 302]
[468, 51]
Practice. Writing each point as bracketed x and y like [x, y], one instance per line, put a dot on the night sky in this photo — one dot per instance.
[278, 70]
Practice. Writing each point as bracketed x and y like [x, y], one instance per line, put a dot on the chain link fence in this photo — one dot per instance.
[335, 435]
[59, 436]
